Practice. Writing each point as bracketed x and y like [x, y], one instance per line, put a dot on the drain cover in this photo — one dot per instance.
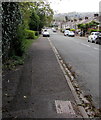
[64, 107]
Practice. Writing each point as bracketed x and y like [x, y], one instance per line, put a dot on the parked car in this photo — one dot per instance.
[53, 29]
[45, 33]
[71, 34]
[98, 39]
[93, 36]
[66, 32]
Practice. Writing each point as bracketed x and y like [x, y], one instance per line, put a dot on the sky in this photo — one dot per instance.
[65, 6]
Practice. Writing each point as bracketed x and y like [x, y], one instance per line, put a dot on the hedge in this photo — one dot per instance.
[29, 34]
[72, 29]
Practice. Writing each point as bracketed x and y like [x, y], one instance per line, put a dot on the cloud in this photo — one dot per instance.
[75, 5]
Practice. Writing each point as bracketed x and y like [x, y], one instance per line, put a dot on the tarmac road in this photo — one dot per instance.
[84, 59]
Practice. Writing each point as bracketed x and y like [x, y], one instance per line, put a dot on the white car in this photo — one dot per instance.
[53, 29]
[93, 36]
[66, 32]
[45, 33]
[71, 34]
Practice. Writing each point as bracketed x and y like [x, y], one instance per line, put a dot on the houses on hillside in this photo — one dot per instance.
[73, 23]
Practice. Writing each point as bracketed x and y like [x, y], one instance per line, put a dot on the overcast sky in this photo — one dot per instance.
[65, 6]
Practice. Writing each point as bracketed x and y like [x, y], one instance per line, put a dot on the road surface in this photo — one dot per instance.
[84, 59]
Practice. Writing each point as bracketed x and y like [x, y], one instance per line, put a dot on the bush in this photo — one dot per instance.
[93, 30]
[26, 44]
[36, 33]
[30, 34]
[72, 29]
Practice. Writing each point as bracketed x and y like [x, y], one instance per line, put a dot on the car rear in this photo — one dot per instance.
[71, 34]
[46, 34]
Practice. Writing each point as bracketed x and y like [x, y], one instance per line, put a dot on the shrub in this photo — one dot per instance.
[36, 33]
[30, 34]
[26, 44]
[92, 30]
[72, 29]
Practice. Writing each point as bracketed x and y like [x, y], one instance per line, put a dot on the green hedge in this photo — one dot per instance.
[72, 29]
[94, 30]
[29, 34]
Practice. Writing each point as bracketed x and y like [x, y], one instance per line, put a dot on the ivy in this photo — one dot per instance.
[18, 17]
[10, 21]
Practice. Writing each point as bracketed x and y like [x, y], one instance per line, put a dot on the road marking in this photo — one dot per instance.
[64, 107]
[96, 48]
[85, 45]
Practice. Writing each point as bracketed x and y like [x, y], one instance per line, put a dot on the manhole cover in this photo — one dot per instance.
[64, 107]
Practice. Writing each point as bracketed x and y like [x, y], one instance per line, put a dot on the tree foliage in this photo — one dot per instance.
[17, 17]
[41, 16]
[87, 25]
[34, 21]
[11, 18]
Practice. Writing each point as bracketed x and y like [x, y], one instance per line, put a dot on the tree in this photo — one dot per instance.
[34, 21]
[11, 18]
[44, 12]
[26, 9]
[16, 18]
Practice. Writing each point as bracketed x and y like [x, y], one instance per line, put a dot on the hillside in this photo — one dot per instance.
[72, 15]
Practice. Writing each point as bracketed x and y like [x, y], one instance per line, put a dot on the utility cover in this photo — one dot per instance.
[64, 107]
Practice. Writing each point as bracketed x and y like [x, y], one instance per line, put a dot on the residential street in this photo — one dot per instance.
[50, 59]
[34, 90]
[84, 59]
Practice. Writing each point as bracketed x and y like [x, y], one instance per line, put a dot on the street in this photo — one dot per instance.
[39, 89]
[50, 59]
[84, 59]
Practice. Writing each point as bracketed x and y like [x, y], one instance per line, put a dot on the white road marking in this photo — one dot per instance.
[88, 45]
[96, 48]
[85, 45]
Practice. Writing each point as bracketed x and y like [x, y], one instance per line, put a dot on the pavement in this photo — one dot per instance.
[38, 89]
